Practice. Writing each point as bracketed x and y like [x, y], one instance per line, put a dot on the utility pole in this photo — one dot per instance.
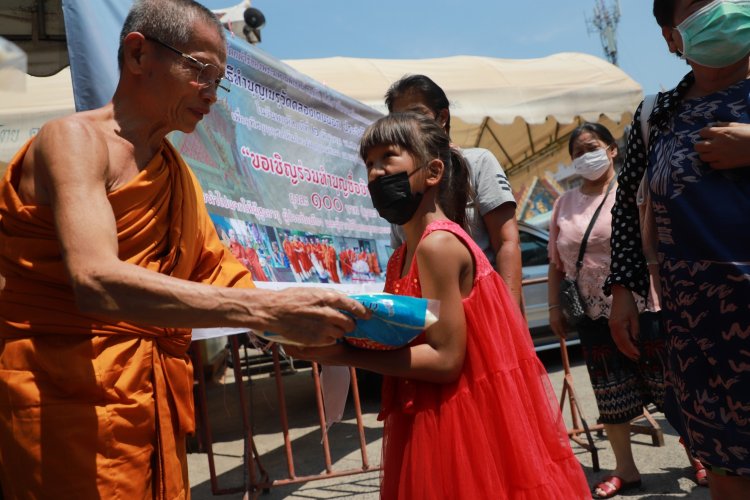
[605, 23]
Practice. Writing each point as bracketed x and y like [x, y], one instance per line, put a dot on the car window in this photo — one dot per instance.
[533, 250]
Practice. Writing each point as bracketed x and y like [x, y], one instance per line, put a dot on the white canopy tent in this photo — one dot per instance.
[521, 109]
[23, 112]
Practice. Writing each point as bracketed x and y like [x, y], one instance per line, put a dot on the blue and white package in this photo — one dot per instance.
[396, 320]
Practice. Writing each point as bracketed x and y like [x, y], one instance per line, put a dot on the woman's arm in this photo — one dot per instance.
[555, 275]
[556, 319]
[629, 273]
[628, 267]
[446, 274]
[503, 232]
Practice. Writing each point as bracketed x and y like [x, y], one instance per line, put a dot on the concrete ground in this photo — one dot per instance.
[664, 470]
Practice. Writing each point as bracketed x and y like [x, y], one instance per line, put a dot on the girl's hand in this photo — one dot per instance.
[336, 354]
[557, 322]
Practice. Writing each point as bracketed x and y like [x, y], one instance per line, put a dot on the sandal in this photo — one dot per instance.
[701, 476]
[613, 485]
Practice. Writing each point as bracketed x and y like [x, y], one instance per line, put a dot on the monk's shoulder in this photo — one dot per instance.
[78, 137]
[63, 147]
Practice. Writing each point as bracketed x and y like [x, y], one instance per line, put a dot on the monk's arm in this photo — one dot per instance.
[74, 184]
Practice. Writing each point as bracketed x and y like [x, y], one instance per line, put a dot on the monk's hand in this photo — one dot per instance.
[623, 321]
[725, 145]
[311, 316]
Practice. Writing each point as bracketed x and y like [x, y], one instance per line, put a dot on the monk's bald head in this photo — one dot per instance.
[169, 21]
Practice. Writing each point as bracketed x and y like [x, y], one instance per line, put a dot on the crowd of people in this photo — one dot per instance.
[109, 258]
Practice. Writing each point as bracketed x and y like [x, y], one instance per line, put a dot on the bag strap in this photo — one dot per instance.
[582, 250]
[646, 109]
[648, 106]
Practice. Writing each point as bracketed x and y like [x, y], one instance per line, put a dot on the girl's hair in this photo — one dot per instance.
[425, 140]
[664, 12]
[600, 132]
[430, 92]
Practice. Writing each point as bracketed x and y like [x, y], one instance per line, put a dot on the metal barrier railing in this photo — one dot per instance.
[257, 479]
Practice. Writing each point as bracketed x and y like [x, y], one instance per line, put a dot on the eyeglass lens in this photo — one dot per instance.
[210, 75]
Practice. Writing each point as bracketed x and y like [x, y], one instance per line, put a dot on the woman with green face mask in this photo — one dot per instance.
[695, 155]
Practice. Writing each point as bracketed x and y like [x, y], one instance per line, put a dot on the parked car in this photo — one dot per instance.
[535, 267]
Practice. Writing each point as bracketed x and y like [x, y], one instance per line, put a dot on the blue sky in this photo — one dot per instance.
[410, 29]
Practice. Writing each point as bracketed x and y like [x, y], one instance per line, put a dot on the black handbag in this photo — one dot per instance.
[571, 302]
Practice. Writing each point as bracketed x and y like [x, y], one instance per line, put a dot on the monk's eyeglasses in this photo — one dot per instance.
[208, 74]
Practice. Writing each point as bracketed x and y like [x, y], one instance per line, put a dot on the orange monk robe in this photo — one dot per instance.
[308, 252]
[346, 262]
[330, 260]
[374, 264]
[304, 258]
[87, 405]
[292, 256]
[254, 262]
[320, 253]
[239, 252]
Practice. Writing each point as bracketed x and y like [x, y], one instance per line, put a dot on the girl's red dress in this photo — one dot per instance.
[496, 432]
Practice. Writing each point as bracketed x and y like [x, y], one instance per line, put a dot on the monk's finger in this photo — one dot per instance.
[344, 303]
[336, 324]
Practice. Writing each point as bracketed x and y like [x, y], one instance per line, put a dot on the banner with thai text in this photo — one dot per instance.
[278, 161]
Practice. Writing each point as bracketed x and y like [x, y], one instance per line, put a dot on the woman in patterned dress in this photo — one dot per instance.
[700, 195]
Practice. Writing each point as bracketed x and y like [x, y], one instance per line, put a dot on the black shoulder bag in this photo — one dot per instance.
[571, 301]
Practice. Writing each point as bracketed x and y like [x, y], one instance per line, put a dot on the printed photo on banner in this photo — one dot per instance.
[278, 254]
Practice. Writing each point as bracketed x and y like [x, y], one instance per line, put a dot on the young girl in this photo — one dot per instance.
[468, 408]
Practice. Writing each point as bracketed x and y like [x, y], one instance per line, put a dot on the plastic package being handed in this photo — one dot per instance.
[396, 320]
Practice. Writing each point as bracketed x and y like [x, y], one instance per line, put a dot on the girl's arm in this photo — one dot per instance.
[446, 273]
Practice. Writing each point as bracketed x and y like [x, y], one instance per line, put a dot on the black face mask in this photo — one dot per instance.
[393, 199]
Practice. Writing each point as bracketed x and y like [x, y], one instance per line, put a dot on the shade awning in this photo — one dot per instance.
[521, 109]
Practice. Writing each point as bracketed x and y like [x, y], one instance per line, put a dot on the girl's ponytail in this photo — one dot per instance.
[455, 188]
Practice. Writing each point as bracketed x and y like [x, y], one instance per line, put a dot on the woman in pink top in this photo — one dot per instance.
[622, 387]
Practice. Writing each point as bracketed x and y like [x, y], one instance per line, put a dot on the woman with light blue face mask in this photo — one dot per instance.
[697, 166]
[622, 387]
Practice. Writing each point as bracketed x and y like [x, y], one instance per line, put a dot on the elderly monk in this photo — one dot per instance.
[110, 258]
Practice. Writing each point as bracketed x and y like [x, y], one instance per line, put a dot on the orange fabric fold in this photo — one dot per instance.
[119, 392]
